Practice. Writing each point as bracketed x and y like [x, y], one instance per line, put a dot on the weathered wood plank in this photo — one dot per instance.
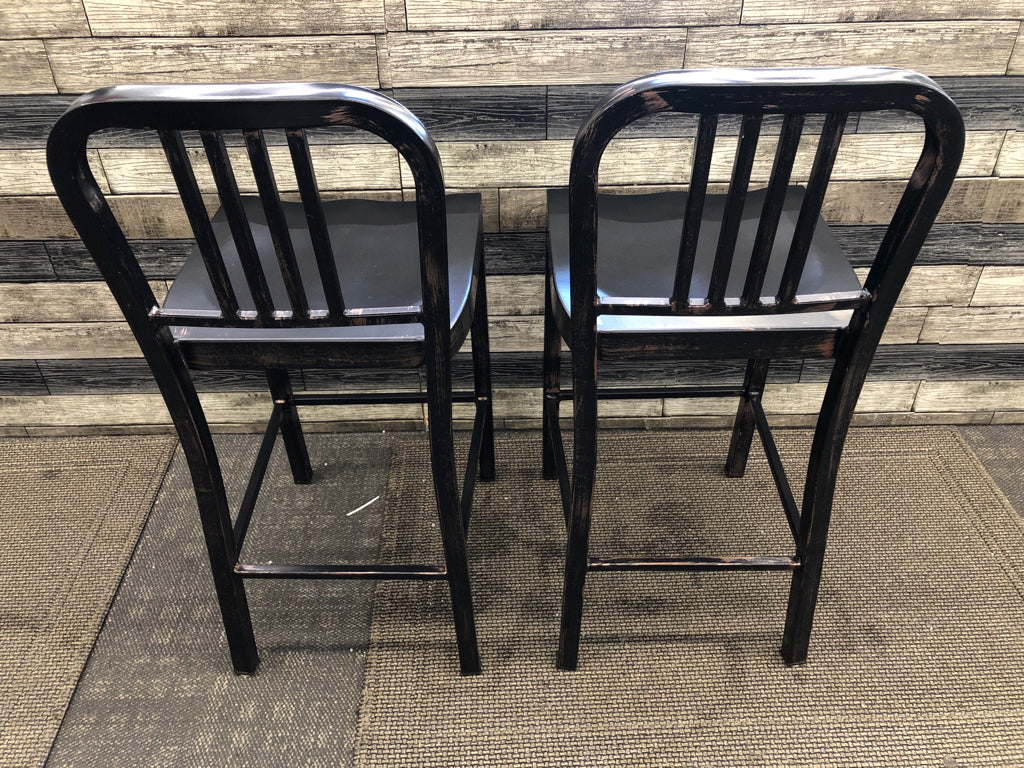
[515, 295]
[43, 18]
[1004, 201]
[952, 396]
[33, 218]
[62, 302]
[935, 286]
[532, 57]
[987, 104]
[953, 362]
[1000, 287]
[81, 65]
[24, 68]
[479, 114]
[904, 326]
[981, 325]
[583, 14]
[385, 73]
[24, 172]
[394, 15]
[232, 18]
[66, 341]
[799, 398]
[21, 378]
[947, 243]
[515, 253]
[521, 209]
[159, 259]
[934, 48]
[873, 202]
[1016, 65]
[221, 408]
[338, 167]
[143, 217]
[1011, 156]
[818, 11]
[25, 260]
[25, 121]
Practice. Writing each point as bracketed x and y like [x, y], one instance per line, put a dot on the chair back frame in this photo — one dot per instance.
[792, 93]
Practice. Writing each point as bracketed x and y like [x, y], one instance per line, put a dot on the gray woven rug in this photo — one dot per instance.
[917, 656]
[159, 690]
[71, 510]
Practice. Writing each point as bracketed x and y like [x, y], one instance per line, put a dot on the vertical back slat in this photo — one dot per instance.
[746, 148]
[199, 220]
[821, 172]
[276, 222]
[231, 202]
[316, 221]
[771, 211]
[702, 153]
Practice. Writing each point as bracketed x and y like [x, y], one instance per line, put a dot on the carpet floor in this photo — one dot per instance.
[71, 510]
[159, 690]
[917, 657]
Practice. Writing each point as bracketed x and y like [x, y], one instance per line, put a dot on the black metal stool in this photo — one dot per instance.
[748, 275]
[275, 285]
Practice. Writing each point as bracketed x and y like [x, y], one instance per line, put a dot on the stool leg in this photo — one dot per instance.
[822, 469]
[291, 427]
[583, 474]
[743, 428]
[482, 374]
[218, 532]
[551, 389]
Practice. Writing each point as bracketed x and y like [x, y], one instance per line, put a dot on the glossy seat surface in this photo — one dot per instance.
[376, 248]
[638, 245]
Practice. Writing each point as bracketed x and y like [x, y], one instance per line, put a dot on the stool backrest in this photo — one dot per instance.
[752, 94]
[249, 109]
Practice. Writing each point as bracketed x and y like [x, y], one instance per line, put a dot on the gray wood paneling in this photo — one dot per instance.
[1000, 287]
[43, 18]
[987, 104]
[233, 18]
[947, 243]
[25, 121]
[981, 325]
[934, 48]
[83, 64]
[21, 378]
[515, 253]
[24, 68]
[486, 113]
[531, 57]
[582, 14]
[24, 261]
[160, 259]
[811, 11]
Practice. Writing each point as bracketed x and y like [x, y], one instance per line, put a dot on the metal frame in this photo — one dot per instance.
[752, 94]
[295, 107]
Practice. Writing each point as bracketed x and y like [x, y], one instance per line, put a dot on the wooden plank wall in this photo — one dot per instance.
[502, 86]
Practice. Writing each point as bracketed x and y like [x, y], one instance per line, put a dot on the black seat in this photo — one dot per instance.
[747, 274]
[278, 285]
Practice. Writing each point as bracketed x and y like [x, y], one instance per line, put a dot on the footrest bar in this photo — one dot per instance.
[757, 563]
[429, 572]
